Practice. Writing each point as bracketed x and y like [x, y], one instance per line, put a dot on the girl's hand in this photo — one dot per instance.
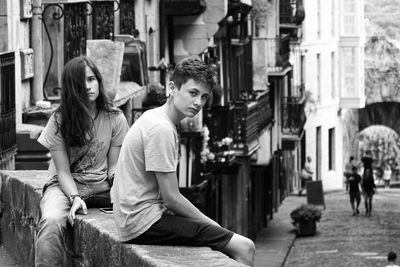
[78, 205]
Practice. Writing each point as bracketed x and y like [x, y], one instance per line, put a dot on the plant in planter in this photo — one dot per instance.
[305, 218]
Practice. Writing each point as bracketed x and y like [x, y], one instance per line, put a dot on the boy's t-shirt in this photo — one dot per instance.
[354, 181]
[87, 163]
[150, 146]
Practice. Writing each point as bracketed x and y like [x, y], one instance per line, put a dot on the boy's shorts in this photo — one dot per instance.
[355, 196]
[181, 231]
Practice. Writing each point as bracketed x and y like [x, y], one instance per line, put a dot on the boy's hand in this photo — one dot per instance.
[78, 205]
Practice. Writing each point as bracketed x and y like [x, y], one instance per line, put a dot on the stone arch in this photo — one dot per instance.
[383, 113]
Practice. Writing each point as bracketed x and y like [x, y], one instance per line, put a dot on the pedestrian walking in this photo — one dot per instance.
[84, 136]
[391, 257]
[368, 190]
[387, 175]
[148, 207]
[306, 174]
[354, 181]
[348, 170]
[367, 161]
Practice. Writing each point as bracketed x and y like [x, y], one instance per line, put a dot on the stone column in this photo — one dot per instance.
[37, 85]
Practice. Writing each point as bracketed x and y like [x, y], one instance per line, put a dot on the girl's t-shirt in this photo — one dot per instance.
[88, 163]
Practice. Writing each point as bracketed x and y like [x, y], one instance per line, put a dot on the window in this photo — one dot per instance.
[303, 68]
[349, 5]
[319, 76]
[319, 19]
[349, 71]
[333, 75]
[331, 148]
[333, 21]
[349, 17]
[318, 153]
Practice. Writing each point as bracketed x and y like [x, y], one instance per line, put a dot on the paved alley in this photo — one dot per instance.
[346, 240]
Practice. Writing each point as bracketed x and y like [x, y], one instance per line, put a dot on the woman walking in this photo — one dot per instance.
[368, 190]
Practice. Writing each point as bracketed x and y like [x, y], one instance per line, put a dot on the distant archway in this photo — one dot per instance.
[382, 113]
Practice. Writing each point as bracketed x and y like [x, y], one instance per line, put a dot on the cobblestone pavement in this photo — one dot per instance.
[346, 240]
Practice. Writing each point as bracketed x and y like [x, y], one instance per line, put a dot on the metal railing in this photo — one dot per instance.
[293, 116]
[7, 106]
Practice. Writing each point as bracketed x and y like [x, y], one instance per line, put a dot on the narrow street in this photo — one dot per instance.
[346, 240]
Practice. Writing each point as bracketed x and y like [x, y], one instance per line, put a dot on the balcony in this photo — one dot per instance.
[278, 51]
[291, 16]
[293, 117]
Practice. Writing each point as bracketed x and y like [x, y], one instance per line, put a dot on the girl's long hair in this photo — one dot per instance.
[76, 123]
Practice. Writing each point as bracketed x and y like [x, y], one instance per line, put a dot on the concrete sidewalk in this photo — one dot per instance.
[273, 242]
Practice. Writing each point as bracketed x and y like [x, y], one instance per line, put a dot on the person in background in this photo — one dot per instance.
[348, 170]
[354, 180]
[387, 175]
[368, 189]
[84, 136]
[148, 207]
[391, 258]
[306, 174]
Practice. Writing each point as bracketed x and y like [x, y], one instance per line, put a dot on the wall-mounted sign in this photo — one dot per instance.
[26, 63]
[26, 9]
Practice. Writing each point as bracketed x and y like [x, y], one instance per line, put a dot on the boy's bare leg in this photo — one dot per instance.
[241, 248]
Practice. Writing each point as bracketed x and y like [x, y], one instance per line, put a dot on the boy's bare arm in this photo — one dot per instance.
[175, 201]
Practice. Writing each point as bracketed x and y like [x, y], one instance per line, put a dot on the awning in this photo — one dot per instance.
[63, 1]
[184, 7]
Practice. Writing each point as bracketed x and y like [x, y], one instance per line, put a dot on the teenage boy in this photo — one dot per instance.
[148, 207]
[354, 180]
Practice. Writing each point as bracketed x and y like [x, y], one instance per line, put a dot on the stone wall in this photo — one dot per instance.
[94, 238]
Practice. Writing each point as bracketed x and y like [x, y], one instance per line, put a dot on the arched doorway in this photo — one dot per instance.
[384, 143]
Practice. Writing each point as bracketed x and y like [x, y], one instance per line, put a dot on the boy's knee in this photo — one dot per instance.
[249, 245]
[242, 248]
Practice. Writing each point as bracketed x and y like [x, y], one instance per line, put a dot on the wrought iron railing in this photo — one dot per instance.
[76, 27]
[293, 116]
[75, 30]
[265, 110]
[7, 106]
[103, 20]
[127, 16]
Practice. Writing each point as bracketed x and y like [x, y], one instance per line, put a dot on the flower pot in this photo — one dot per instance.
[306, 228]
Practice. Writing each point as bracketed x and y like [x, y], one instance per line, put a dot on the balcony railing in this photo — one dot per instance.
[293, 116]
[291, 12]
[7, 109]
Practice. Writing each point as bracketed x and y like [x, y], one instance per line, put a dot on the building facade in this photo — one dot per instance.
[330, 64]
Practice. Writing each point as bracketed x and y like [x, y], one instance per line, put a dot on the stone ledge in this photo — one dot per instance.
[94, 238]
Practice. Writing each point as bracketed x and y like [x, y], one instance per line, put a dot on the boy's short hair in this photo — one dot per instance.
[193, 68]
[391, 256]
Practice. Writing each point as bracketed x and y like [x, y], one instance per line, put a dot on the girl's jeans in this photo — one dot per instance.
[50, 247]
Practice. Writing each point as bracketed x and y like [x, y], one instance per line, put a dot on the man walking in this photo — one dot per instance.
[354, 180]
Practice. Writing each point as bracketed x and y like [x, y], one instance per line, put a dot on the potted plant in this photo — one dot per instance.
[305, 218]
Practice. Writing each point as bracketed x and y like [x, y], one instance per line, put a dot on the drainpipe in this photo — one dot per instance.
[36, 37]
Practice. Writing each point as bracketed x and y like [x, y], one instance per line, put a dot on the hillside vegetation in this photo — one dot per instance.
[383, 18]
